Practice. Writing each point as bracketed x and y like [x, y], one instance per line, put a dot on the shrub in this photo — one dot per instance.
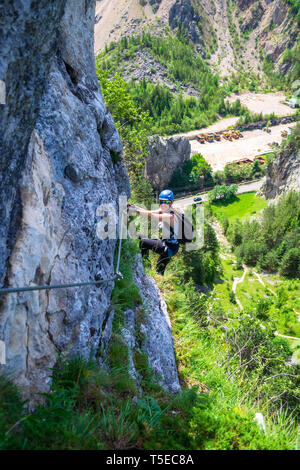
[290, 264]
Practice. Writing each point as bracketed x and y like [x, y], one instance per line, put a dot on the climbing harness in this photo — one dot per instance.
[117, 276]
[186, 232]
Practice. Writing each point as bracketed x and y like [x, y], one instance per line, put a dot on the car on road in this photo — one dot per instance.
[197, 199]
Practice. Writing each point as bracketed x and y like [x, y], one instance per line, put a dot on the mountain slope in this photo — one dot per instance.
[233, 35]
[116, 18]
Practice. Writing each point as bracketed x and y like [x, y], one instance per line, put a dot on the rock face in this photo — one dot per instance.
[283, 174]
[56, 169]
[58, 148]
[184, 13]
[278, 13]
[164, 156]
[156, 330]
[25, 80]
[257, 12]
[244, 4]
[155, 4]
[278, 21]
[145, 66]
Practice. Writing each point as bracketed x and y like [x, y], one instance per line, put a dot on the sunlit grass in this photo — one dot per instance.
[244, 206]
[225, 421]
[250, 291]
[223, 286]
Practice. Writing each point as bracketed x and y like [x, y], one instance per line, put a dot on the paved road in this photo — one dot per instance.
[243, 188]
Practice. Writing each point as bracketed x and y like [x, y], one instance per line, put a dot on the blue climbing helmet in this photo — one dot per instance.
[166, 195]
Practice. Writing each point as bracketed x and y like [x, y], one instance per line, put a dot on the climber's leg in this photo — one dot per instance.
[144, 249]
[147, 244]
[162, 262]
[159, 247]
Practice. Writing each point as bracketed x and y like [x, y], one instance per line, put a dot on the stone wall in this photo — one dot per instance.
[56, 168]
[157, 331]
[183, 12]
[165, 154]
[283, 174]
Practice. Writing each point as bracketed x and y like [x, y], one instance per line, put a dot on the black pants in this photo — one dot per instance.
[159, 247]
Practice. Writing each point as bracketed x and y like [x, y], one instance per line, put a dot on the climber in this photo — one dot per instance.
[165, 247]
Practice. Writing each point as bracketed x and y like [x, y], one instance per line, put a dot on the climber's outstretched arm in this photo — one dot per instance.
[157, 215]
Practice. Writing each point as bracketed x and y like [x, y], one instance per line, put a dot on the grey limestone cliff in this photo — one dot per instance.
[155, 330]
[165, 154]
[283, 174]
[182, 12]
[56, 168]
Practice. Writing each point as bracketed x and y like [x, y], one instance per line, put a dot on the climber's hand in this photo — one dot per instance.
[131, 210]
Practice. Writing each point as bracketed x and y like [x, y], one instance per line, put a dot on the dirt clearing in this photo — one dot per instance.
[255, 142]
[265, 103]
[218, 154]
[217, 126]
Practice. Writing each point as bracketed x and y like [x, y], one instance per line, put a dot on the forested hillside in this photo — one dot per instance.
[234, 36]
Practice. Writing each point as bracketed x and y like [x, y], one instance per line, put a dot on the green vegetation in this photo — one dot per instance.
[235, 42]
[205, 356]
[224, 383]
[209, 351]
[243, 206]
[249, 117]
[273, 242]
[195, 171]
[275, 79]
[278, 80]
[175, 113]
[134, 127]
[222, 291]
[235, 173]
[171, 112]
[292, 143]
[172, 51]
[209, 345]
[292, 58]
[213, 42]
[89, 409]
[295, 8]
[132, 123]
[125, 292]
[86, 409]
[274, 302]
[243, 81]
[201, 266]
[274, 299]
[223, 193]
